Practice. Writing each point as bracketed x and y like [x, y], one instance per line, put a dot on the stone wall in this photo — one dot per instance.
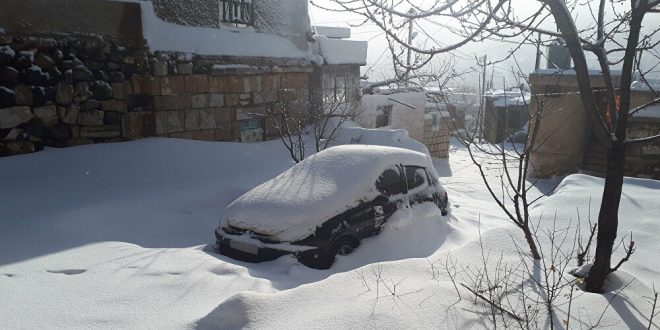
[643, 160]
[70, 90]
[116, 20]
[436, 134]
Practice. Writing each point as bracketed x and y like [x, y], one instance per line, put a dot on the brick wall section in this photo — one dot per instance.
[436, 135]
[65, 91]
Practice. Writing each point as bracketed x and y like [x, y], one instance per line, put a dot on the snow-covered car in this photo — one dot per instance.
[324, 205]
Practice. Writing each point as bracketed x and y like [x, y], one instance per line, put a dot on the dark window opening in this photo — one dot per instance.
[415, 176]
[383, 115]
[238, 12]
[390, 183]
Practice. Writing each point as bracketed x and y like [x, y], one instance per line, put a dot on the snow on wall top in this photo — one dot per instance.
[338, 51]
[333, 32]
[650, 112]
[164, 36]
[292, 205]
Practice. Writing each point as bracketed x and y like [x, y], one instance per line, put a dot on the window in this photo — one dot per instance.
[415, 176]
[383, 115]
[390, 183]
[252, 130]
[237, 12]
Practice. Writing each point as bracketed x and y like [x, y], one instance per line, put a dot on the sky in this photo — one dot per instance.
[379, 62]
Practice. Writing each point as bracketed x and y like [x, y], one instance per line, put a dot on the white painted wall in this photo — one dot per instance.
[409, 117]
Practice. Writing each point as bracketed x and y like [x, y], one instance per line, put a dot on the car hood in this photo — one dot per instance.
[294, 204]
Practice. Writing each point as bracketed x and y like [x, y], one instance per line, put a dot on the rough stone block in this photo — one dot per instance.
[23, 95]
[201, 83]
[204, 135]
[91, 118]
[184, 68]
[190, 84]
[225, 117]
[192, 120]
[136, 125]
[114, 105]
[159, 69]
[71, 115]
[64, 93]
[14, 116]
[100, 132]
[118, 91]
[207, 118]
[160, 118]
[181, 135]
[175, 121]
[271, 81]
[216, 100]
[173, 102]
[296, 80]
[231, 100]
[179, 85]
[224, 133]
[287, 95]
[214, 84]
[13, 134]
[252, 84]
[166, 85]
[46, 115]
[200, 101]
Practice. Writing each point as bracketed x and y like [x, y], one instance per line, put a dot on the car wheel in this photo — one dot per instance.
[325, 258]
[344, 246]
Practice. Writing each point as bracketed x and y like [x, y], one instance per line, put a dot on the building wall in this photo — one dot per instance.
[409, 116]
[570, 144]
[286, 18]
[71, 90]
[565, 127]
[115, 20]
[436, 134]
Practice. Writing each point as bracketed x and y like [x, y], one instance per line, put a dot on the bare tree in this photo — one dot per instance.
[613, 36]
[300, 129]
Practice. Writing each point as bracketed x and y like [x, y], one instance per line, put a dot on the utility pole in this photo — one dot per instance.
[482, 106]
[410, 39]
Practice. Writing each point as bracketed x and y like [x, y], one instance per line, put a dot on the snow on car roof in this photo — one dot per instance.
[292, 205]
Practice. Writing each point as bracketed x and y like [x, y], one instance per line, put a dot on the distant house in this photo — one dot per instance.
[202, 69]
[506, 113]
[407, 109]
[568, 143]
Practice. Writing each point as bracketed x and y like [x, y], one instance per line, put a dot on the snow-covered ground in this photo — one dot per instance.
[118, 236]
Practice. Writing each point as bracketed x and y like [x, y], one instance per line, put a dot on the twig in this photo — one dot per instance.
[500, 308]
[629, 251]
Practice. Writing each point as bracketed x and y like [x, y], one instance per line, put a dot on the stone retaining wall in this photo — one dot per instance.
[643, 160]
[436, 135]
[70, 90]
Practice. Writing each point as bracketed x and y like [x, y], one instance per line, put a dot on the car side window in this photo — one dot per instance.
[390, 183]
[415, 176]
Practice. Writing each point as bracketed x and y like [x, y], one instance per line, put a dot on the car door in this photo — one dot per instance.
[417, 184]
[392, 188]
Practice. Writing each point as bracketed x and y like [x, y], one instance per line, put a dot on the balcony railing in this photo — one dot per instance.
[237, 12]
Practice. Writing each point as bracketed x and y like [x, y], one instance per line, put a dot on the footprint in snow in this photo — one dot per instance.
[68, 271]
[8, 275]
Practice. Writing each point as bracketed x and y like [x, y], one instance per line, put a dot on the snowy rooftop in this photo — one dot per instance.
[570, 72]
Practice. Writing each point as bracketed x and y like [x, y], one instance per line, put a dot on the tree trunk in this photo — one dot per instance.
[608, 217]
[529, 237]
